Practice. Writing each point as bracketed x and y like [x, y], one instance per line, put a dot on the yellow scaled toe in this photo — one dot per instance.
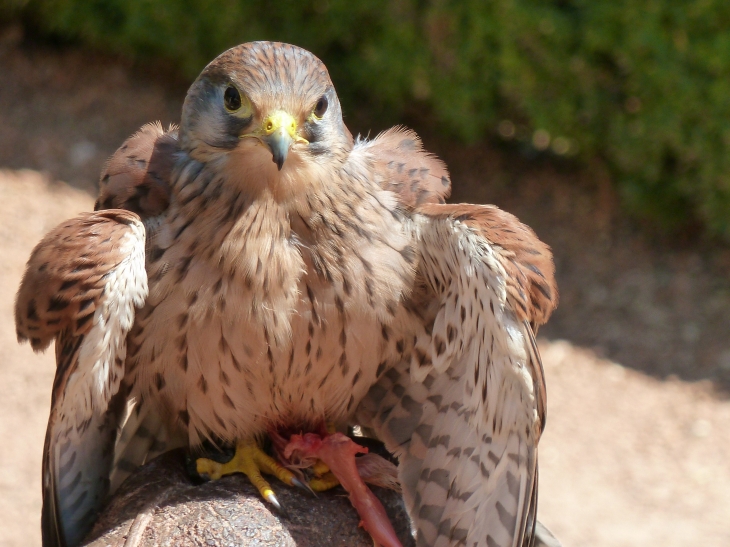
[325, 482]
[251, 461]
[323, 478]
[320, 468]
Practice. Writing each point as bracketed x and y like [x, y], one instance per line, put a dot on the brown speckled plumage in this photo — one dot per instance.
[137, 176]
[334, 286]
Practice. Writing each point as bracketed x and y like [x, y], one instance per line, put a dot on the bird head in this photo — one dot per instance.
[267, 111]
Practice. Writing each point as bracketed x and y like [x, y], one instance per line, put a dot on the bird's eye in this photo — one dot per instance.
[232, 99]
[321, 107]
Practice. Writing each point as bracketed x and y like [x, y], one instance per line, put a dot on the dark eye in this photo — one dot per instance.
[321, 106]
[232, 99]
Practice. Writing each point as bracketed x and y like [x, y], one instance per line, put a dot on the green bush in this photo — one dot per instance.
[641, 83]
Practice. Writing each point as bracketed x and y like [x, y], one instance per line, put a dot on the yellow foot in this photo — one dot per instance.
[251, 461]
[323, 479]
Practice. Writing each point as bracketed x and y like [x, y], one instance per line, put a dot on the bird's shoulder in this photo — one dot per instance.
[527, 261]
[66, 274]
[137, 176]
[405, 168]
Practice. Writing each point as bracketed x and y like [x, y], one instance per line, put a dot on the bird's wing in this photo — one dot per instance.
[136, 177]
[405, 168]
[81, 286]
[465, 410]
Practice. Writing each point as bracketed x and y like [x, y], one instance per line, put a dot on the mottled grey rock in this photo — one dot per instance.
[159, 505]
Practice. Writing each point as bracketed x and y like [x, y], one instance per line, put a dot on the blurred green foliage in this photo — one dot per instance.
[644, 84]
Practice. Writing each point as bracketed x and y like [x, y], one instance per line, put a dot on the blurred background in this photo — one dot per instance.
[604, 125]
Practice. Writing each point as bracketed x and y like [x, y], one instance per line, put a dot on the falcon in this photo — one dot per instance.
[259, 272]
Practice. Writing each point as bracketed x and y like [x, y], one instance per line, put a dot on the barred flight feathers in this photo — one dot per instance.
[465, 412]
[81, 286]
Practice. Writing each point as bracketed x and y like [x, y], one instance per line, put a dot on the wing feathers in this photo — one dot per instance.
[76, 464]
[64, 279]
[136, 177]
[528, 263]
[81, 286]
[500, 277]
[414, 175]
[465, 414]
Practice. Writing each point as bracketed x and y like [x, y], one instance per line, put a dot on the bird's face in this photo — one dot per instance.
[267, 111]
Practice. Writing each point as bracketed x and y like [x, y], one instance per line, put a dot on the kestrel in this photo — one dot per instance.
[217, 295]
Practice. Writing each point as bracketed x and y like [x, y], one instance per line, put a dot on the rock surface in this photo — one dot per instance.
[159, 505]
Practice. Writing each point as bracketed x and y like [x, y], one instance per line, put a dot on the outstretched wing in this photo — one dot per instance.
[81, 286]
[465, 412]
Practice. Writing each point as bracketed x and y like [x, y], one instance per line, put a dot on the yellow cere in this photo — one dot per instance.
[280, 119]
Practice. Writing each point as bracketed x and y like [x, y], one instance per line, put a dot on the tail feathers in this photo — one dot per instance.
[143, 436]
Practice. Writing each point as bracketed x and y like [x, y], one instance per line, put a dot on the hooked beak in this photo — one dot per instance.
[279, 132]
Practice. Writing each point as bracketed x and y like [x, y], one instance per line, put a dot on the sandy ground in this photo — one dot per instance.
[29, 206]
[637, 447]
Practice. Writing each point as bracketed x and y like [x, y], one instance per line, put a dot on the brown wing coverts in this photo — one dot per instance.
[65, 276]
[417, 176]
[136, 177]
[531, 287]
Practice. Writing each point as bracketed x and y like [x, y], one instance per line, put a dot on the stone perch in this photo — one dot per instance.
[160, 505]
